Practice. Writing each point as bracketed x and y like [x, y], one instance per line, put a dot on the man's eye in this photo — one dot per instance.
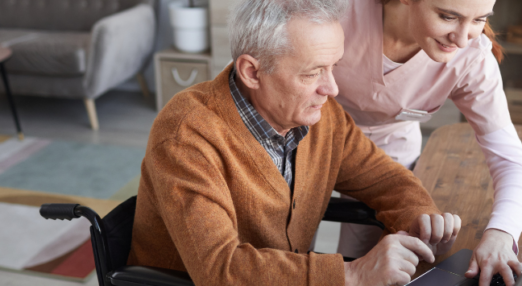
[446, 17]
[312, 75]
[481, 20]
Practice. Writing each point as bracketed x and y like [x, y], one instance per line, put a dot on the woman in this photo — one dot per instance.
[403, 59]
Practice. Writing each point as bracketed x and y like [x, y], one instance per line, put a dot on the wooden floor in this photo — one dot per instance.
[125, 118]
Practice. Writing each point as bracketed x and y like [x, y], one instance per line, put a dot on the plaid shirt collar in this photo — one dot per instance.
[280, 149]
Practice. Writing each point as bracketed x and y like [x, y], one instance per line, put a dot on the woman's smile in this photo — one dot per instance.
[446, 48]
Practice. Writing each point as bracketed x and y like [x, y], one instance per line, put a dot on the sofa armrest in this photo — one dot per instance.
[140, 275]
[120, 45]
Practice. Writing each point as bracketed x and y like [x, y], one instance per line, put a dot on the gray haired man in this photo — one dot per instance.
[239, 171]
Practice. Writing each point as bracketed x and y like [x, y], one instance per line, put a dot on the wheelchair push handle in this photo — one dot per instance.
[59, 211]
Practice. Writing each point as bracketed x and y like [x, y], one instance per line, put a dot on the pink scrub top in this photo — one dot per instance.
[471, 79]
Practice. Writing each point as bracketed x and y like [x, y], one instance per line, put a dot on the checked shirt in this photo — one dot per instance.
[281, 149]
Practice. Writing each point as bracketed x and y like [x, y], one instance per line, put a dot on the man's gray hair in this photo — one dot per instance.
[258, 27]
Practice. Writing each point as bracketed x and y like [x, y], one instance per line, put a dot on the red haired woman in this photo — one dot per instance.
[402, 60]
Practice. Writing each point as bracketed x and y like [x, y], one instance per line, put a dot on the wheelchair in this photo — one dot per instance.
[111, 240]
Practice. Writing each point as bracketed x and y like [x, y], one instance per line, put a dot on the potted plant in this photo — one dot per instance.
[190, 26]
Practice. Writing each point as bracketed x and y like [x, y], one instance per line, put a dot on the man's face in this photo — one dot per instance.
[294, 93]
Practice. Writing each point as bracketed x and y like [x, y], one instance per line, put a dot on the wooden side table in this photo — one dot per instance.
[5, 53]
[175, 71]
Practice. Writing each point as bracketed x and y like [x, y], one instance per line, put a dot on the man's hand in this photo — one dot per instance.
[391, 262]
[493, 255]
[438, 232]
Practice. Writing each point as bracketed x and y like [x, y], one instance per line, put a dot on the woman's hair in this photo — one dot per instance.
[258, 27]
[497, 49]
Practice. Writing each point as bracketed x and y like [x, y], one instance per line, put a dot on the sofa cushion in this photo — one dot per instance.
[59, 15]
[46, 53]
[9, 37]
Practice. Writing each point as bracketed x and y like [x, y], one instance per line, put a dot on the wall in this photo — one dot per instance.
[507, 13]
[163, 41]
[219, 11]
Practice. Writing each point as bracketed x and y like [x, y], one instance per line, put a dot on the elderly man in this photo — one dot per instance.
[239, 170]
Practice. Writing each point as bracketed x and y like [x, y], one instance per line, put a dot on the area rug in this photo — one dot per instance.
[36, 171]
[69, 168]
[52, 248]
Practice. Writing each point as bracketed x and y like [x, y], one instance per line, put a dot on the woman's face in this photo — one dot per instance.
[441, 27]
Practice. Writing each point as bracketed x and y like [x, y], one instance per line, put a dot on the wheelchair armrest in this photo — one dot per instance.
[343, 210]
[151, 276]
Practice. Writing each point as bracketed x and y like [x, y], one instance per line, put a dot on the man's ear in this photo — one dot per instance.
[247, 68]
[405, 2]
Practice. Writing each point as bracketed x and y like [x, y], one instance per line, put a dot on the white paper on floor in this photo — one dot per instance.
[27, 239]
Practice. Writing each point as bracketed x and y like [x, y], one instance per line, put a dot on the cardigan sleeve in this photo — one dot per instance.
[371, 176]
[196, 206]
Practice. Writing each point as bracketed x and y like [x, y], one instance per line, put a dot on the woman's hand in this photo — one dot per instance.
[438, 232]
[493, 255]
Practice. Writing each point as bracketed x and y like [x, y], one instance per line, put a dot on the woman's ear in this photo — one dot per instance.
[247, 69]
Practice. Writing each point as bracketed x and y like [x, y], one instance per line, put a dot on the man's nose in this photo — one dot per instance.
[461, 36]
[328, 86]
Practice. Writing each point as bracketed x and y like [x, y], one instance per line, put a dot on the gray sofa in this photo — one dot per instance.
[75, 48]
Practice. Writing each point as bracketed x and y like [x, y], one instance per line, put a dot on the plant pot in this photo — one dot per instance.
[190, 28]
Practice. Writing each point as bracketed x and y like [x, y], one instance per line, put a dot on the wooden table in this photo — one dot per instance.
[453, 169]
[5, 54]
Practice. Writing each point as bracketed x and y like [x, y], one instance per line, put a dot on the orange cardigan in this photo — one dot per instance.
[212, 202]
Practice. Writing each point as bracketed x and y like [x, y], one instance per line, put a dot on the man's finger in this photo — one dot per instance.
[437, 228]
[401, 278]
[418, 247]
[457, 224]
[411, 257]
[408, 267]
[448, 227]
[424, 228]
[473, 268]
[402, 232]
